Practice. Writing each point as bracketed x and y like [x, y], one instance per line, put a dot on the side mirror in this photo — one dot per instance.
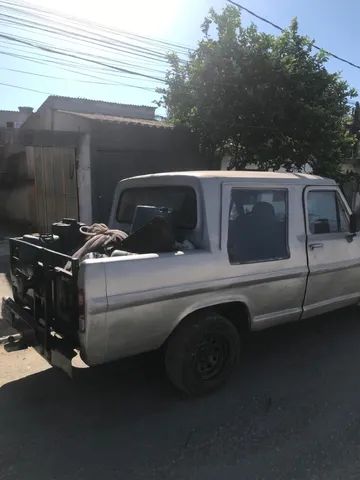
[353, 223]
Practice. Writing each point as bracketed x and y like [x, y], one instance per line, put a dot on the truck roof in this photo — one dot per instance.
[271, 177]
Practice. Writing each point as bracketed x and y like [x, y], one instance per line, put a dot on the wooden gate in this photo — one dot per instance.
[56, 194]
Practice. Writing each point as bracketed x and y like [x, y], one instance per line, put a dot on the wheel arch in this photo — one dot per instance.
[237, 311]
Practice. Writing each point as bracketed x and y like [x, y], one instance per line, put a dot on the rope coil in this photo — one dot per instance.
[99, 236]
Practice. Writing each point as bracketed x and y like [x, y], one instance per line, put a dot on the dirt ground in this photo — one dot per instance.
[291, 411]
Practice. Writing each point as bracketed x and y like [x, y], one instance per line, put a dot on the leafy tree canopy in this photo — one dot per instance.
[262, 99]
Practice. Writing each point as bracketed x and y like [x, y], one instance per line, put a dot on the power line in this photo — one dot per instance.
[102, 42]
[49, 93]
[122, 84]
[24, 49]
[82, 72]
[24, 88]
[263, 19]
[105, 81]
[59, 52]
[19, 52]
[21, 7]
[122, 46]
[79, 29]
[107, 49]
[71, 28]
[121, 66]
[37, 44]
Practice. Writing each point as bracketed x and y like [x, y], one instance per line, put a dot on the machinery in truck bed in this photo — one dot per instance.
[45, 308]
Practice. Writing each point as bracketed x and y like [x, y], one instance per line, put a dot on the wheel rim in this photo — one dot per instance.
[210, 356]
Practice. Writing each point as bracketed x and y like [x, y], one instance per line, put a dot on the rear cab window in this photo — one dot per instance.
[181, 200]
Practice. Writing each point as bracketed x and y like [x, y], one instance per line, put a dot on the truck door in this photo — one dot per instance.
[264, 242]
[333, 252]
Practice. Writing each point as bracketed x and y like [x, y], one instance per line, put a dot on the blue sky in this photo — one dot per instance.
[333, 26]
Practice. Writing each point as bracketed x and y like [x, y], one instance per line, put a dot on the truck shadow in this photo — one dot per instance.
[125, 420]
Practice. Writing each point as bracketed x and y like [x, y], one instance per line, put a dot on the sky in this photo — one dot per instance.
[334, 28]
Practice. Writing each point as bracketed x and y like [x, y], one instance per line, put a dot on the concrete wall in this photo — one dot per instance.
[69, 123]
[49, 119]
[84, 179]
[107, 152]
[18, 118]
[14, 170]
[39, 121]
[49, 116]
[93, 106]
[17, 204]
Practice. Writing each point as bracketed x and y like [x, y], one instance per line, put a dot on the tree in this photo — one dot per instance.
[355, 129]
[262, 99]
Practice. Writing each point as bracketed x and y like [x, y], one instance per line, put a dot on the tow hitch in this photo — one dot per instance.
[13, 343]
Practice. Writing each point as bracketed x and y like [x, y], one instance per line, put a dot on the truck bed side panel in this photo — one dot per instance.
[142, 309]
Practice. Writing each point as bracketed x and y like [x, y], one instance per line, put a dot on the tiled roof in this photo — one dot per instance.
[97, 117]
[90, 100]
[10, 111]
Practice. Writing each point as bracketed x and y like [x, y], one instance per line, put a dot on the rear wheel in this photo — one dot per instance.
[201, 353]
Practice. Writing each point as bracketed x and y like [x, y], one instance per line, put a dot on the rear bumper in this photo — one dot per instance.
[53, 349]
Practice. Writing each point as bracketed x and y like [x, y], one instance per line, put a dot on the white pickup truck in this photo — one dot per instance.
[238, 251]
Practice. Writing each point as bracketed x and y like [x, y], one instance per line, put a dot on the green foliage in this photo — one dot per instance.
[262, 99]
[354, 128]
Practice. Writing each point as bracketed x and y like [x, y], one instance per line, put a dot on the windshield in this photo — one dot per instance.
[181, 200]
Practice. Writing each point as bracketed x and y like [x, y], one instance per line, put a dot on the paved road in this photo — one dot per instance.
[291, 411]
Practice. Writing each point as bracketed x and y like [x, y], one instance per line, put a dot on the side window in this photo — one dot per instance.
[258, 225]
[326, 212]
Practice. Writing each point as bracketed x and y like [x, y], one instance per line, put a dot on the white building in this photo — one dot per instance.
[14, 118]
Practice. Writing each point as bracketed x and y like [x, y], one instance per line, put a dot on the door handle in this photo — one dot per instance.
[312, 246]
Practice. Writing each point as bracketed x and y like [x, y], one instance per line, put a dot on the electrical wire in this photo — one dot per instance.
[263, 19]
[71, 55]
[22, 7]
[114, 53]
[111, 63]
[104, 80]
[24, 88]
[122, 84]
[49, 93]
[21, 52]
[82, 32]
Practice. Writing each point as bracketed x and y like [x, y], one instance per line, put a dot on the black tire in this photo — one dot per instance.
[202, 352]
